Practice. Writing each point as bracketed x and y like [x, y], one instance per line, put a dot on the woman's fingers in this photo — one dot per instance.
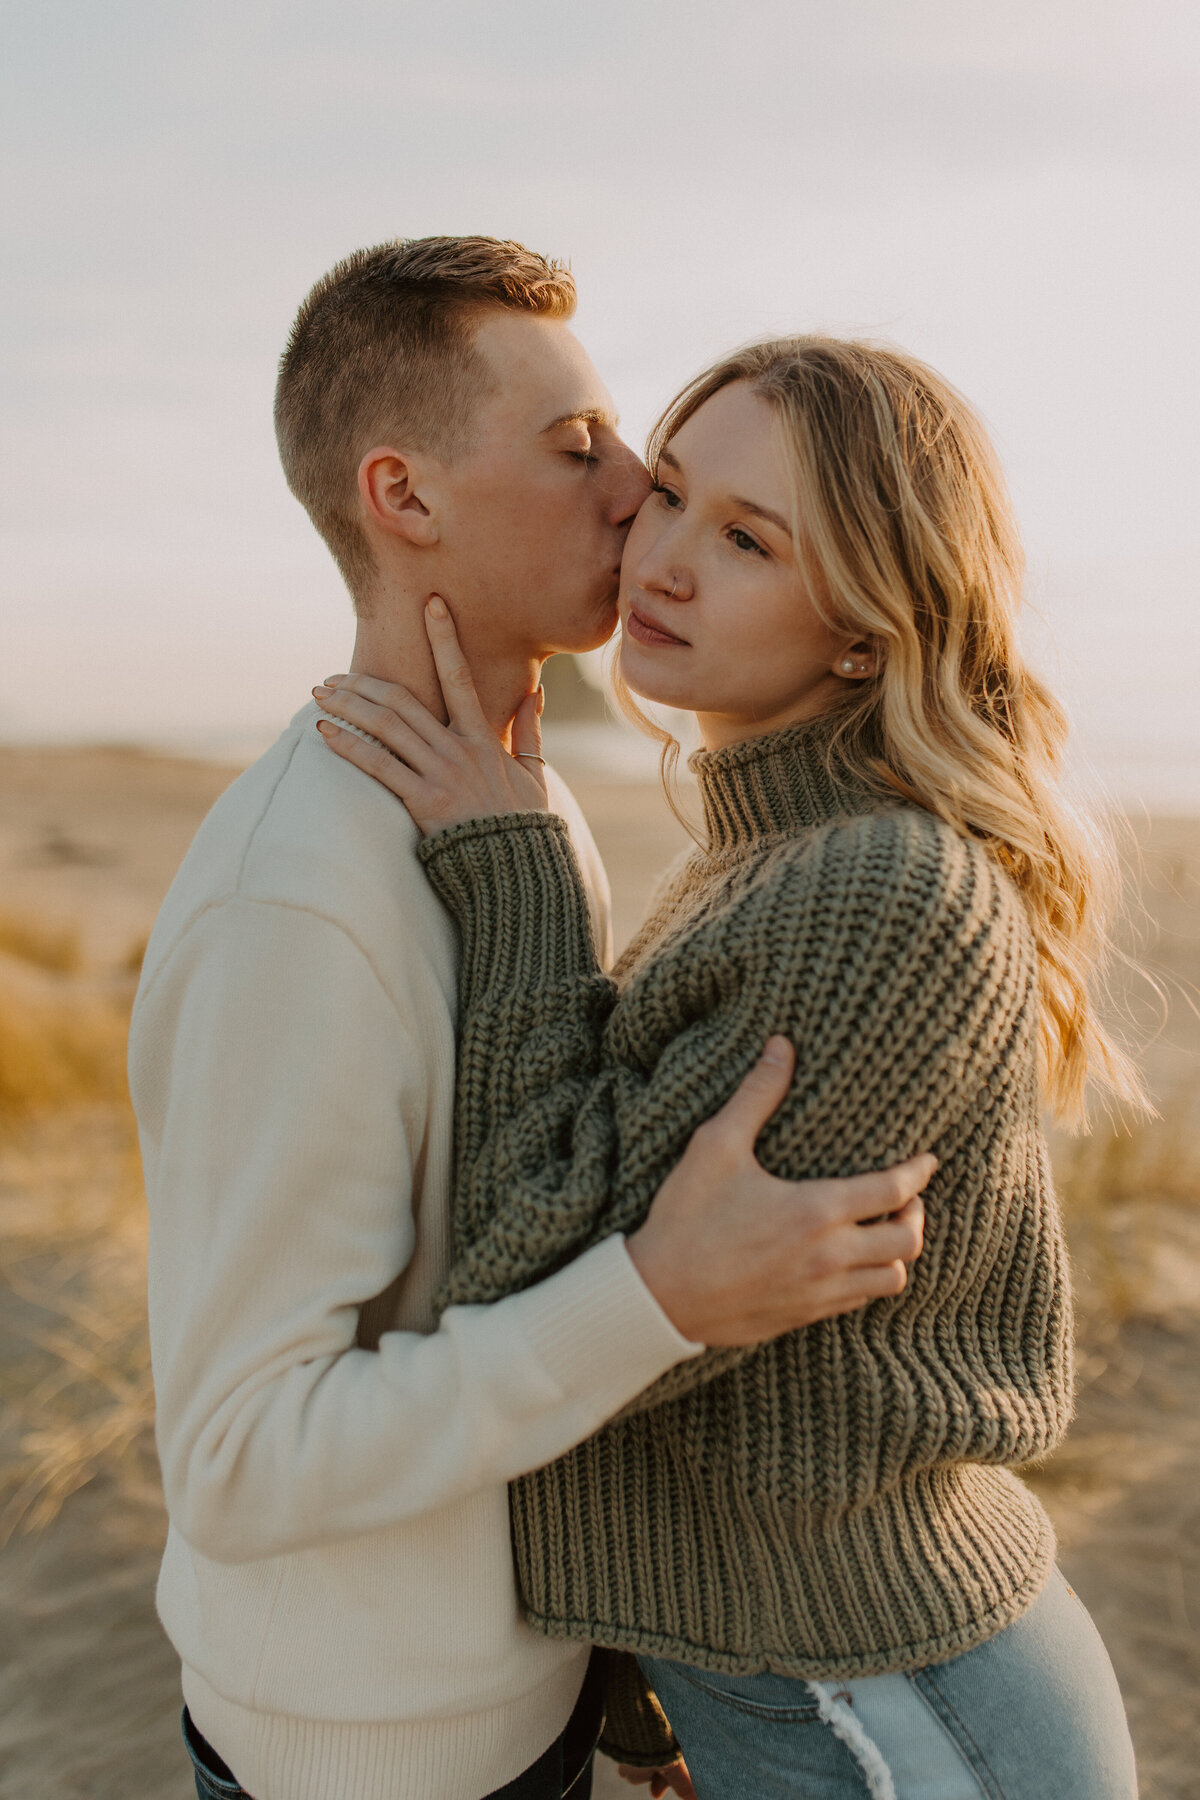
[527, 725]
[527, 737]
[372, 759]
[390, 696]
[383, 722]
[454, 672]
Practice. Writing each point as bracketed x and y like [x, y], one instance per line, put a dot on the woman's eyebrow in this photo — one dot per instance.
[737, 500]
[763, 512]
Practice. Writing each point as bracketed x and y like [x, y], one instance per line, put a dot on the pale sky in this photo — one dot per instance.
[1007, 188]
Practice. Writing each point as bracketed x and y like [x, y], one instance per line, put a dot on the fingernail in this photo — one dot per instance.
[325, 728]
[437, 607]
[541, 699]
[332, 680]
[775, 1050]
[318, 691]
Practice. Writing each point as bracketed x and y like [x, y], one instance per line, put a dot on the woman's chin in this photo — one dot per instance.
[650, 682]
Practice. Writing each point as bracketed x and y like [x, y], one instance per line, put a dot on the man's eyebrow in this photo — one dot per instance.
[738, 500]
[586, 415]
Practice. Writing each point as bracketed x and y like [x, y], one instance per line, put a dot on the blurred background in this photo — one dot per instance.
[1008, 190]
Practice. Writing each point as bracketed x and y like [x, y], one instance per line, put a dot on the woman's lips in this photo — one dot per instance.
[645, 633]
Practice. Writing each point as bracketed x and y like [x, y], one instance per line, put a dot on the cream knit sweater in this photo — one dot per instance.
[338, 1578]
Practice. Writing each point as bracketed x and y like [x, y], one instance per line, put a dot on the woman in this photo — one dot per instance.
[815, 1548]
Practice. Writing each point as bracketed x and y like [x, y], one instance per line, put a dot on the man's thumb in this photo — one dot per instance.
[761, 1090]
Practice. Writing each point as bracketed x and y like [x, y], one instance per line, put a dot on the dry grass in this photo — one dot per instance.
[80, 1401]
[57, 1051]
[62, 1033]
[30, 940]
[77, 1372]
[78, 1395]
[1131, 1196]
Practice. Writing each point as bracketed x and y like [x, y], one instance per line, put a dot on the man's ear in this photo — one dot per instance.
[388, 481]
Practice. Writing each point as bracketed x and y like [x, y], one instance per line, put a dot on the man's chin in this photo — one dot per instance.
[586, 634]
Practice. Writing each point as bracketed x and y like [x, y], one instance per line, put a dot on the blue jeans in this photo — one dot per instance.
[1033, 1714]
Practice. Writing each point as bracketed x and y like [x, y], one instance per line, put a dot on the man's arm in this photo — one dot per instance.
[281, 1106]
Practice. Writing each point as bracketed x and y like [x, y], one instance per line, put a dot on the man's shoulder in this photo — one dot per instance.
[302, 828]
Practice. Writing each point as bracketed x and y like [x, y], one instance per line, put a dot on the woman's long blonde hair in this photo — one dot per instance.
[910, 540]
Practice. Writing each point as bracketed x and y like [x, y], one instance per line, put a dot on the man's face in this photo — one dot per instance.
[533, 517]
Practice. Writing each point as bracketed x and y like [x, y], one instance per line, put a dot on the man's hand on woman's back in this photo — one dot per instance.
[733, 1255]
[672, 1780]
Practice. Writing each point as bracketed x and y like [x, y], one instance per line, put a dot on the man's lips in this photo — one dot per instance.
[645, 631]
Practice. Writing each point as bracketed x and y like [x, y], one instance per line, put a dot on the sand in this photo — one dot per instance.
[88, 1685]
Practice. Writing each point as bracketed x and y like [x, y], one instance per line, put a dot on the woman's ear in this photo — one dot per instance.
[858, 660]
[388, 481]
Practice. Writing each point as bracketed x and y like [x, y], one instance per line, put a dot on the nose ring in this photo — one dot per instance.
[674, 585]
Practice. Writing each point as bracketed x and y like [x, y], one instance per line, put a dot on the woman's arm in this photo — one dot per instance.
[890, 951]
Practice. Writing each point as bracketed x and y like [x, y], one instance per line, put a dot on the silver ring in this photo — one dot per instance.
[532, 756]
[674, 585]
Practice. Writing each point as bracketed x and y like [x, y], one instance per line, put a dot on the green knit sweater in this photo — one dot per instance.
[837, 1502]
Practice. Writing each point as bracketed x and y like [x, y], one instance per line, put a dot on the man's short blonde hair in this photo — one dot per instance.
[383, 350]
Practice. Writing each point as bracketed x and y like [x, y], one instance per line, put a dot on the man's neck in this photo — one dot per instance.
[392, 645]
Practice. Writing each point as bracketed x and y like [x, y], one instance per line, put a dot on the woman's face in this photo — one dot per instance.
[714, 604]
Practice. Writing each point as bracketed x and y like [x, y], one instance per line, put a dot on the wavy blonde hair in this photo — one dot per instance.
[910, 540]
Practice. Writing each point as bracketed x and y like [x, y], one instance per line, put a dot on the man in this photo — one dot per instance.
[338, 1578]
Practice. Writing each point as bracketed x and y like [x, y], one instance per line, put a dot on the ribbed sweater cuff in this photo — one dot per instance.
[600, 1331]
[514, 888]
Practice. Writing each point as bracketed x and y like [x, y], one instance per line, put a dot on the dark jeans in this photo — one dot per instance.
[215, 1780]
[564, 1769]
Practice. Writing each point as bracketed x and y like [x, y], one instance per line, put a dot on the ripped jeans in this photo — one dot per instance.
[1033, 1714]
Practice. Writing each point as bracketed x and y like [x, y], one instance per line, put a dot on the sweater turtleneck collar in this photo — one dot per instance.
[783, 783]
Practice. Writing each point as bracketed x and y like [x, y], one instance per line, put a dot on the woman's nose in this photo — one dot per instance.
[668, 579]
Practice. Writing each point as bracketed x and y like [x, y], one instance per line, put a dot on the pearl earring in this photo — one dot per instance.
[849, 665]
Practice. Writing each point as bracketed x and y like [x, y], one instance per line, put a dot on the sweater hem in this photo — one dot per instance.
[282, 1757]
[903, 1658]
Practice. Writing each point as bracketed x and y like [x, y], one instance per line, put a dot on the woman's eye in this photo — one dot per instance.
[744, 541]
[670, 497]
[588, 458]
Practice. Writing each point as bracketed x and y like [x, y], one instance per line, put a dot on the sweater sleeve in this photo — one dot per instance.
[281, 1102]
[890, 951]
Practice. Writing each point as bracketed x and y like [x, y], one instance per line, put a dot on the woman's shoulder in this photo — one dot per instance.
[901, 862]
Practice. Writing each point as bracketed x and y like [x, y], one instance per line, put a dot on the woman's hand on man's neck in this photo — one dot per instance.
[392, 643]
